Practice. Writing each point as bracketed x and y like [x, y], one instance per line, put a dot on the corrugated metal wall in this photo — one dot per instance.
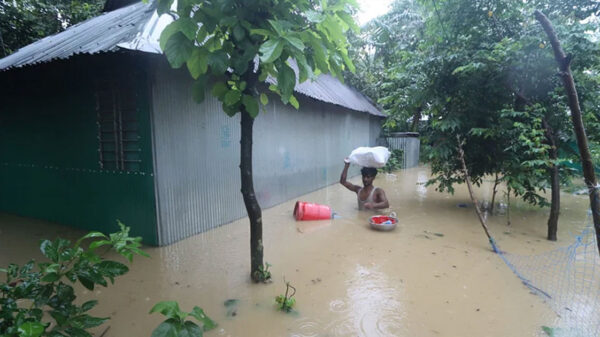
[197, 154]
[49, 146]
[410, 146]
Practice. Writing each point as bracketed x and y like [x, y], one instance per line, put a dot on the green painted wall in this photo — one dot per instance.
[49, 162]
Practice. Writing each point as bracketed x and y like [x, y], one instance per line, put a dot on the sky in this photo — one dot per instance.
[370, 9]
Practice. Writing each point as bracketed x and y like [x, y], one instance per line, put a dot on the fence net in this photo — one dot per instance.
[568, 279]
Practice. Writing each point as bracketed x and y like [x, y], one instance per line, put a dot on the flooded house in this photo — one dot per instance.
[95, 126]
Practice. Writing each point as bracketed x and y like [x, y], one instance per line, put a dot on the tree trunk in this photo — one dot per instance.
[461, 156]
[555, 183]
[252, 207]
[494, 191]
[416, 118]
[589, 175]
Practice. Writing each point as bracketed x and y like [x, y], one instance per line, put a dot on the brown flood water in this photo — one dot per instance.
[434, 275]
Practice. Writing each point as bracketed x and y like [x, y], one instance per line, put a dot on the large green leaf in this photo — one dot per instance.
[112, 268]
[199, 89]
[271, 50]
[186, 26]
[295, 42]
[218, 62]
[190, 329]
[197, 64]
[86, 321]
[31, 329]
[232, 97]
[168, 308]
[219, 90]
[314, 16]
[167, 328]
[178, 49]
[207, 323]
[286, 81]
[251, 105]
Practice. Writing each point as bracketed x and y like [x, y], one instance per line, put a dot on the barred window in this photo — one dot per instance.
[118, 126]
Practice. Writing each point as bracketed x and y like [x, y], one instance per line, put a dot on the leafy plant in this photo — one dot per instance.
[285, 302]
[177, 325]
[32, 289]
[395, 163]
[263, 273]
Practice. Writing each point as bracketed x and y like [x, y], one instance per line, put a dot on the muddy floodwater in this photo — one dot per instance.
[434, 275]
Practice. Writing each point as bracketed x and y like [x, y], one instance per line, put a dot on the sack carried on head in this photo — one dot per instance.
[370, 156]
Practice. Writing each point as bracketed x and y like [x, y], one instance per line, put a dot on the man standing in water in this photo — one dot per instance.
[369, 196]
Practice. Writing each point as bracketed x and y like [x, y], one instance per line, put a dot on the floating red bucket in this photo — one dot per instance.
[311, 211]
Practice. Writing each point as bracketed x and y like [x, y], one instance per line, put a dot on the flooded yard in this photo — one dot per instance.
[434, 275]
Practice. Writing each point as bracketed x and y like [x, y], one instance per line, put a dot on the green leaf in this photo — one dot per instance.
[199, 89]
[31, 329]
[86, 321]
[88, 305]
[207, 323]
[168, 308]
[239, 32]
[112, 268]
[286, 81]
[99, 243]
[277, 26]
[86, 282]
[349, 20]
[167, 328]
[178, 50]
[219, 90]
[320, 55]
[251, 105]
[51, 277]
[232, 97]
[230, 110]
[263, 32]
[294, 102]
[295, 42]
[549, 331]
[50, 250]
[190, 329]
[197, 64]
[218, 62]
[164, 6]
[314, 16]
[166, 34]
[271, 50]
[77, 332]
[264, 99]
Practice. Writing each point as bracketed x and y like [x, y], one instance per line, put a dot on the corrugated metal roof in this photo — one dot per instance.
[138, 27]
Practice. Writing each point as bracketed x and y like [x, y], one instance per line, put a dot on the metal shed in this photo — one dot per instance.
[98, 127]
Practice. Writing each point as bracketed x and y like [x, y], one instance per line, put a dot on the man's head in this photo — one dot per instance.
[368, 175]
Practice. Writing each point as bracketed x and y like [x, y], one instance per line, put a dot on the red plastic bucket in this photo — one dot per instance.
[311, 211]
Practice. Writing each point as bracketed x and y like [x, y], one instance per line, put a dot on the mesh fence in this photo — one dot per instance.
[569, 280]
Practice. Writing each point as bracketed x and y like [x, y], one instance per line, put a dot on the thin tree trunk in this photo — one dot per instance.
[461, 156]
[508, 206]
[250, 201]
[555, 183]
[494, 191]
[589, 175]
[416, 118]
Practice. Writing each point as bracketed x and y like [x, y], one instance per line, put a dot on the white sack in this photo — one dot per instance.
[370, 156]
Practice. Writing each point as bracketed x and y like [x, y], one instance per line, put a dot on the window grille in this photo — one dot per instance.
[118, 126]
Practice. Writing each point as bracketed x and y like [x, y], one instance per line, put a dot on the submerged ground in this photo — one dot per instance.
[435, 275]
